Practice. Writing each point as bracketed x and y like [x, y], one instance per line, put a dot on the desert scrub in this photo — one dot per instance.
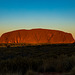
[72, 72]
[30, 72]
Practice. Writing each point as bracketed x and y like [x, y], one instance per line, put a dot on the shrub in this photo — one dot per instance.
[30, 72]
[72, 72]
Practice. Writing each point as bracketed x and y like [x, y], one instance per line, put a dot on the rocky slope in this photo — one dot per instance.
[36, 36]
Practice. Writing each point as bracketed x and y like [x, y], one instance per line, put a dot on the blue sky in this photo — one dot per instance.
[28, 14]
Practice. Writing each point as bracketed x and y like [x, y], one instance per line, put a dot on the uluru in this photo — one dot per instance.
[37, 36]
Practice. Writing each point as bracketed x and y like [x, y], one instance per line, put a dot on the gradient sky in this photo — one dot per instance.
[28, 14]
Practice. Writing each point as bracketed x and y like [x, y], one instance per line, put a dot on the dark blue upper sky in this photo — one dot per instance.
[26, 14]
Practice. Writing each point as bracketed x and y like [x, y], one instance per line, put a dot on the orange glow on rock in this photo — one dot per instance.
[37, 36]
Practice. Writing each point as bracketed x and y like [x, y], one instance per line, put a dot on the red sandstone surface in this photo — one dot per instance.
[37, 36]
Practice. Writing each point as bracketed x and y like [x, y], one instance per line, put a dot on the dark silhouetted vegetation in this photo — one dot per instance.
[31, 60]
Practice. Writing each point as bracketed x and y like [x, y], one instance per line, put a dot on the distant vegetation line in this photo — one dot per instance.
[39, 44]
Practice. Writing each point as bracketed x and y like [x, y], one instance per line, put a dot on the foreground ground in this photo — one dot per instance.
[57, 59]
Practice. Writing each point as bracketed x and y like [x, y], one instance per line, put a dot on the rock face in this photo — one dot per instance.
[36, 36]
